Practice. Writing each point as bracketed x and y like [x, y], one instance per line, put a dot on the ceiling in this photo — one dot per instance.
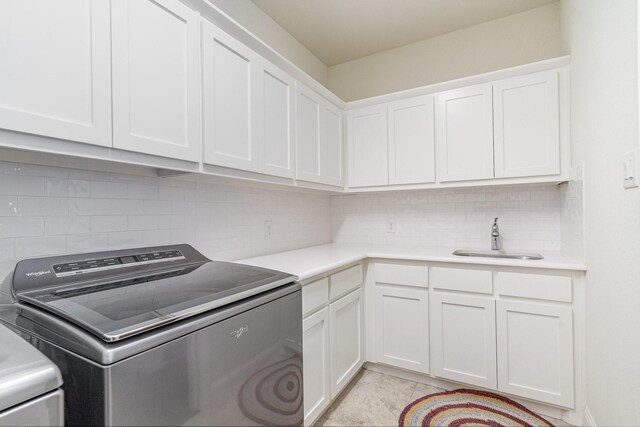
[337, 31]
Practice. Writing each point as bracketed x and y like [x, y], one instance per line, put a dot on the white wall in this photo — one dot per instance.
[250, 16]
[48, 210]
[603, 39]
[518, 39]
[531, 217]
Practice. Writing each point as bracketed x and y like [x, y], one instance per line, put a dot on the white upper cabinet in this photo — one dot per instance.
[464, 134]
[55, 77]
[318, 139]
[276, 91]
[308, 147]
[229, 76]
[331, 141]
[367, 150]
[411, 141]
[156, 78]
[527, 125]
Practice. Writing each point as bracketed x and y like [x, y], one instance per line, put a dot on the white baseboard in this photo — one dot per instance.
[587, 419]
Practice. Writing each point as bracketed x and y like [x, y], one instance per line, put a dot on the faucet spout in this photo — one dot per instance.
[495, 235]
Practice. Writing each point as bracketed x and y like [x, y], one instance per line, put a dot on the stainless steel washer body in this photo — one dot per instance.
[183, 342]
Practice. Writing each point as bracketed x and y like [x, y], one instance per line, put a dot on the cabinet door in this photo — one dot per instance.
[55, 78]
[527, 125]
[331, 142]
[275, 101]
[308, 145]
[346, 340]
[367, 146]
[229, 77]
[317, 382]
[464, 134]
[156, 78]
[412, 141]
[463, 339]
[535, 351]
[402, 327]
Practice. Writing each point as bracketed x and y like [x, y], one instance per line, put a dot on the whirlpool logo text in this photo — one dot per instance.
[38, 273]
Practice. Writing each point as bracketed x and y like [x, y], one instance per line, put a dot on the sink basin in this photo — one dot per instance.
[499, 254]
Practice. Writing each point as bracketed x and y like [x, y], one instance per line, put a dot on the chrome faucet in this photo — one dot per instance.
[495, 235]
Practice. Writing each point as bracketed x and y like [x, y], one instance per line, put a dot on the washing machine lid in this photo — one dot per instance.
[116, 295]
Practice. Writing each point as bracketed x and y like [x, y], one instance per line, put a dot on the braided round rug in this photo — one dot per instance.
[462, 407]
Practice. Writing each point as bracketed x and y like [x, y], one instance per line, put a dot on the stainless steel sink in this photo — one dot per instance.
[499, 254]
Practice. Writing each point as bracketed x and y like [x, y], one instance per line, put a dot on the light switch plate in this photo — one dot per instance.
[630, 169]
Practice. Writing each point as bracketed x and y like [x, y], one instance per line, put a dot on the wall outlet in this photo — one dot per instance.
[391, 226]
[630, 169]
[267, 228]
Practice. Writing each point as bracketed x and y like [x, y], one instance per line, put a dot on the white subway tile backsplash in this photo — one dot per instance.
[92, 242]
[73, 210]
[125, 239]
[8, 205]
[109, 190]
[39, 170]
[7, 248]
[67, 224]
[47, 210]
[16, 185]
[156, 237]
[529, 217]
[143, 222]
[142, 191]
[21, 226]
[40, 246]
[42, 206]
[103, 223]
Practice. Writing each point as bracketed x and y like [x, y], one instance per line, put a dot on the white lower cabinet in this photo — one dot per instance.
[535, 351]
[346, 339]
[402, 327]
[463, 339]
[316, 356]
[333, 337]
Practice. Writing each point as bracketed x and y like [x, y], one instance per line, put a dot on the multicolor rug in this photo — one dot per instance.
[462, 407]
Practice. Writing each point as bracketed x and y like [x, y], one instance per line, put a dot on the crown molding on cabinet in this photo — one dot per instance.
[533, 67]
[223, 21]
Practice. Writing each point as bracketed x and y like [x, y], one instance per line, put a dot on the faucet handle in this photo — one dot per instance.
[495, 222]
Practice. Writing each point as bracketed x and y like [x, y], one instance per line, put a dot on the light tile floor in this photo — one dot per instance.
[375, 399]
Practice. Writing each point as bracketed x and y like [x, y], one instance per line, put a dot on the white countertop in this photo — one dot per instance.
[314, 260]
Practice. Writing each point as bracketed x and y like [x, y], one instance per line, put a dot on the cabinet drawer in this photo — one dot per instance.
[315, 295]
[538, 286]
[456, 279]
[398, 274]
[344, 281]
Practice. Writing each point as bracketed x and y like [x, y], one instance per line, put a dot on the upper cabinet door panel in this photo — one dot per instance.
[276, 121]
[527, 125]
[156, 78]
[229, 76]
[367, 146]
[55, 76]
[308, 145]
[464, 134]
[331, 141]
[412, 141]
